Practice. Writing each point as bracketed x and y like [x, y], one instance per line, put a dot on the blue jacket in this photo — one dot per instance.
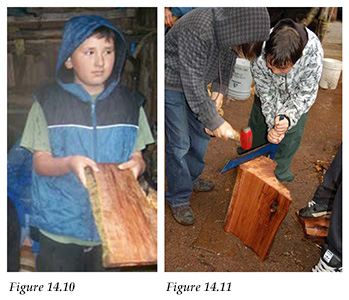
[105, 130]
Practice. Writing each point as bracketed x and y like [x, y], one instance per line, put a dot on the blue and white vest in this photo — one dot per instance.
[105, 131]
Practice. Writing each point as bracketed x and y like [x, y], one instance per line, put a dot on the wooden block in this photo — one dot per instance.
[126, 222]
[315, 229]
[258, 205]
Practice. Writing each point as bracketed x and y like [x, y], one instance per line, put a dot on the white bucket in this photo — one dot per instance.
[330, 73]
[240, 83]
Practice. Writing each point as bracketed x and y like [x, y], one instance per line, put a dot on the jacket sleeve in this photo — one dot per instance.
[263, 79]
[192, 53]
[303, 96]
[302, 88]
[226, 61]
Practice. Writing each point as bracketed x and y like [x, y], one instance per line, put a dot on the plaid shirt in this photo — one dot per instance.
[197, 53]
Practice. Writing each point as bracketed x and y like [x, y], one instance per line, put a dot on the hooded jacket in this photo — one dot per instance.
[290, 94]
[105, 130]
[197, 53]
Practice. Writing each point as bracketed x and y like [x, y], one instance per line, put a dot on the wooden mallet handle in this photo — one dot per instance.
[234, 135]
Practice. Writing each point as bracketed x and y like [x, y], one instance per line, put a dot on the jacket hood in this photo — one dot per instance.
[240, 25]
[75, 32]
[299, 27]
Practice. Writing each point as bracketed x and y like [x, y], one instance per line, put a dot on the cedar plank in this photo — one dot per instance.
[124, 218]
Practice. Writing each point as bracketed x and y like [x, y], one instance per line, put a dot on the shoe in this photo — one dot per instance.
[183, 215]
[314, 210]
[285, 176]
[202, 185]
[329, 262]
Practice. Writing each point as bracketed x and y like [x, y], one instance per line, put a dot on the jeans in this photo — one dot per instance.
[186, 145]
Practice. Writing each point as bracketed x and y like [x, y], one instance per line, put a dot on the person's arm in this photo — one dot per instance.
[168, 17]
[47, 165]
[218, 99]
[192, 54]
[304, 95]
[35, 138]
[136, 164]
[222, 131]
[264, 89]
[221, 83]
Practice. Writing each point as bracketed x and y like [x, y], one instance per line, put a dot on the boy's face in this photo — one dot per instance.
[92, 62]
[278, 71]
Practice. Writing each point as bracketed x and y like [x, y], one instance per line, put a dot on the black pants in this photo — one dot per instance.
[330, 194]
[58, 257]
[13, 238]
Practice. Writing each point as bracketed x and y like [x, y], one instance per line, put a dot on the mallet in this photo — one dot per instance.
[245, 137]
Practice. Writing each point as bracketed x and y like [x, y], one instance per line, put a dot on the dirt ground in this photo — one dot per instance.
[205, 247]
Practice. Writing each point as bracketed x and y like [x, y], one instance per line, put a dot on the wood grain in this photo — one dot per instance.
[126, 222]
[258, 205]
[315, 229]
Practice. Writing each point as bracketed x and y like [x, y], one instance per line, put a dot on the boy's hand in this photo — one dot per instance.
[136, 164]
[47, 165]
[221, 131]
[281, 126]
[274, 137]
[77, 165]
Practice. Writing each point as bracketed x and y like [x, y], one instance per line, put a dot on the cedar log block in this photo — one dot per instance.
[258, 205]
[126, 222]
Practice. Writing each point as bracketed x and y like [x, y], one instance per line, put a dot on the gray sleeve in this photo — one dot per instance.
[192, 62]
[226, 61]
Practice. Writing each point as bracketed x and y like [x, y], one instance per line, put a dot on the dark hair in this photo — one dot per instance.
[249, 51]
[103, 32]
[252, 50]
[284, 47]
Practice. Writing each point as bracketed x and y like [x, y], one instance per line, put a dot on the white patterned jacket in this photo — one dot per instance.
[290, 94]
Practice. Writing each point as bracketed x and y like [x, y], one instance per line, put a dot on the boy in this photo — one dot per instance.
[85, 117]
[286, 77]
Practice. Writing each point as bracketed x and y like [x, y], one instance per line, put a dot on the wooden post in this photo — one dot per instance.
[258, 205]
[125, 220]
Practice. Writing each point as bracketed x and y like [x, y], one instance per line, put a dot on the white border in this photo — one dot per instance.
[153, 285]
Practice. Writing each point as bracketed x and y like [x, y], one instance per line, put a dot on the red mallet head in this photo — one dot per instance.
[246, 138]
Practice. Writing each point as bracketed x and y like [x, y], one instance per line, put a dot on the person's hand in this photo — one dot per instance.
[169, 22]
[77, 165]
[218, 98]
[274, 137]
[281, 126]
[221, 131]
[136, 164]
